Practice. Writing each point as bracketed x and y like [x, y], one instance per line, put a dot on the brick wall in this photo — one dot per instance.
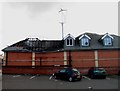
[108, 58]
[82, 60]
[30, 70]
[19, 59]
[51, 58]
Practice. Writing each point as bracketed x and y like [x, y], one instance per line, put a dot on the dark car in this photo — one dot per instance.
[70, 74]
[96, 72]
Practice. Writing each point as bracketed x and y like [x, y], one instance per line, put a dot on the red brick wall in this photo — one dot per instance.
[19, 56]
[19, 63]
[80, 59]
[108, 63]
[51, 58]
[83, 59]
[24, 59]
[108, 58]
[30, 70]
[108, 53]
[19, 59]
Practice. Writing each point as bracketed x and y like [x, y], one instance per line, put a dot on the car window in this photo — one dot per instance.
[62, 71]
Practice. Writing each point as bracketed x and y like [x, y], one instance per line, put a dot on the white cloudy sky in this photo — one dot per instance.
[20, 20]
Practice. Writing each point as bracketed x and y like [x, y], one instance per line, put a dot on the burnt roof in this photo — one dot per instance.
[36, 45]
[29, 45]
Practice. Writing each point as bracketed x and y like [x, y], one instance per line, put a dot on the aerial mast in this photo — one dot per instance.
[62, 21]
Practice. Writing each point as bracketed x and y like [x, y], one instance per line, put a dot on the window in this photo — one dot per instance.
[69, 42]
[62, 71]
[85, 42]
[107, 41]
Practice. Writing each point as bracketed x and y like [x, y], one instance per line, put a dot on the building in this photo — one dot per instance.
[34, 56]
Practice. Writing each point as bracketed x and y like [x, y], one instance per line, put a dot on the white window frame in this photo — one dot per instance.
[68, 44]
[83, 41]
[107, 40]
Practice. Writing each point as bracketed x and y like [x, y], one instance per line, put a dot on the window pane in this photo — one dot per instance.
[86, 42]
[71, 42]
[107, 41]
[82, 41]
[67, 41]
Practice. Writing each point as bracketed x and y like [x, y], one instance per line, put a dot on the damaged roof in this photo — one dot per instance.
[34, 44]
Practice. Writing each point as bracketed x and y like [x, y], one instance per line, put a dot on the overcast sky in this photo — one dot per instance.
[21, 20]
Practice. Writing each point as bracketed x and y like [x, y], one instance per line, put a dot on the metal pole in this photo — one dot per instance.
[62, 30]
[63, 20]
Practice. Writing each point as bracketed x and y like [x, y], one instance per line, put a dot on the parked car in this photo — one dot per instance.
[70, 74]
[96, 72]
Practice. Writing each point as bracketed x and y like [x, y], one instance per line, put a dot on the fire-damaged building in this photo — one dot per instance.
[35, 56]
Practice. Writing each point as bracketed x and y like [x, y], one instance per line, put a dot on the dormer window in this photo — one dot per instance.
[84, 40]
[69, 40]
[107, 40]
